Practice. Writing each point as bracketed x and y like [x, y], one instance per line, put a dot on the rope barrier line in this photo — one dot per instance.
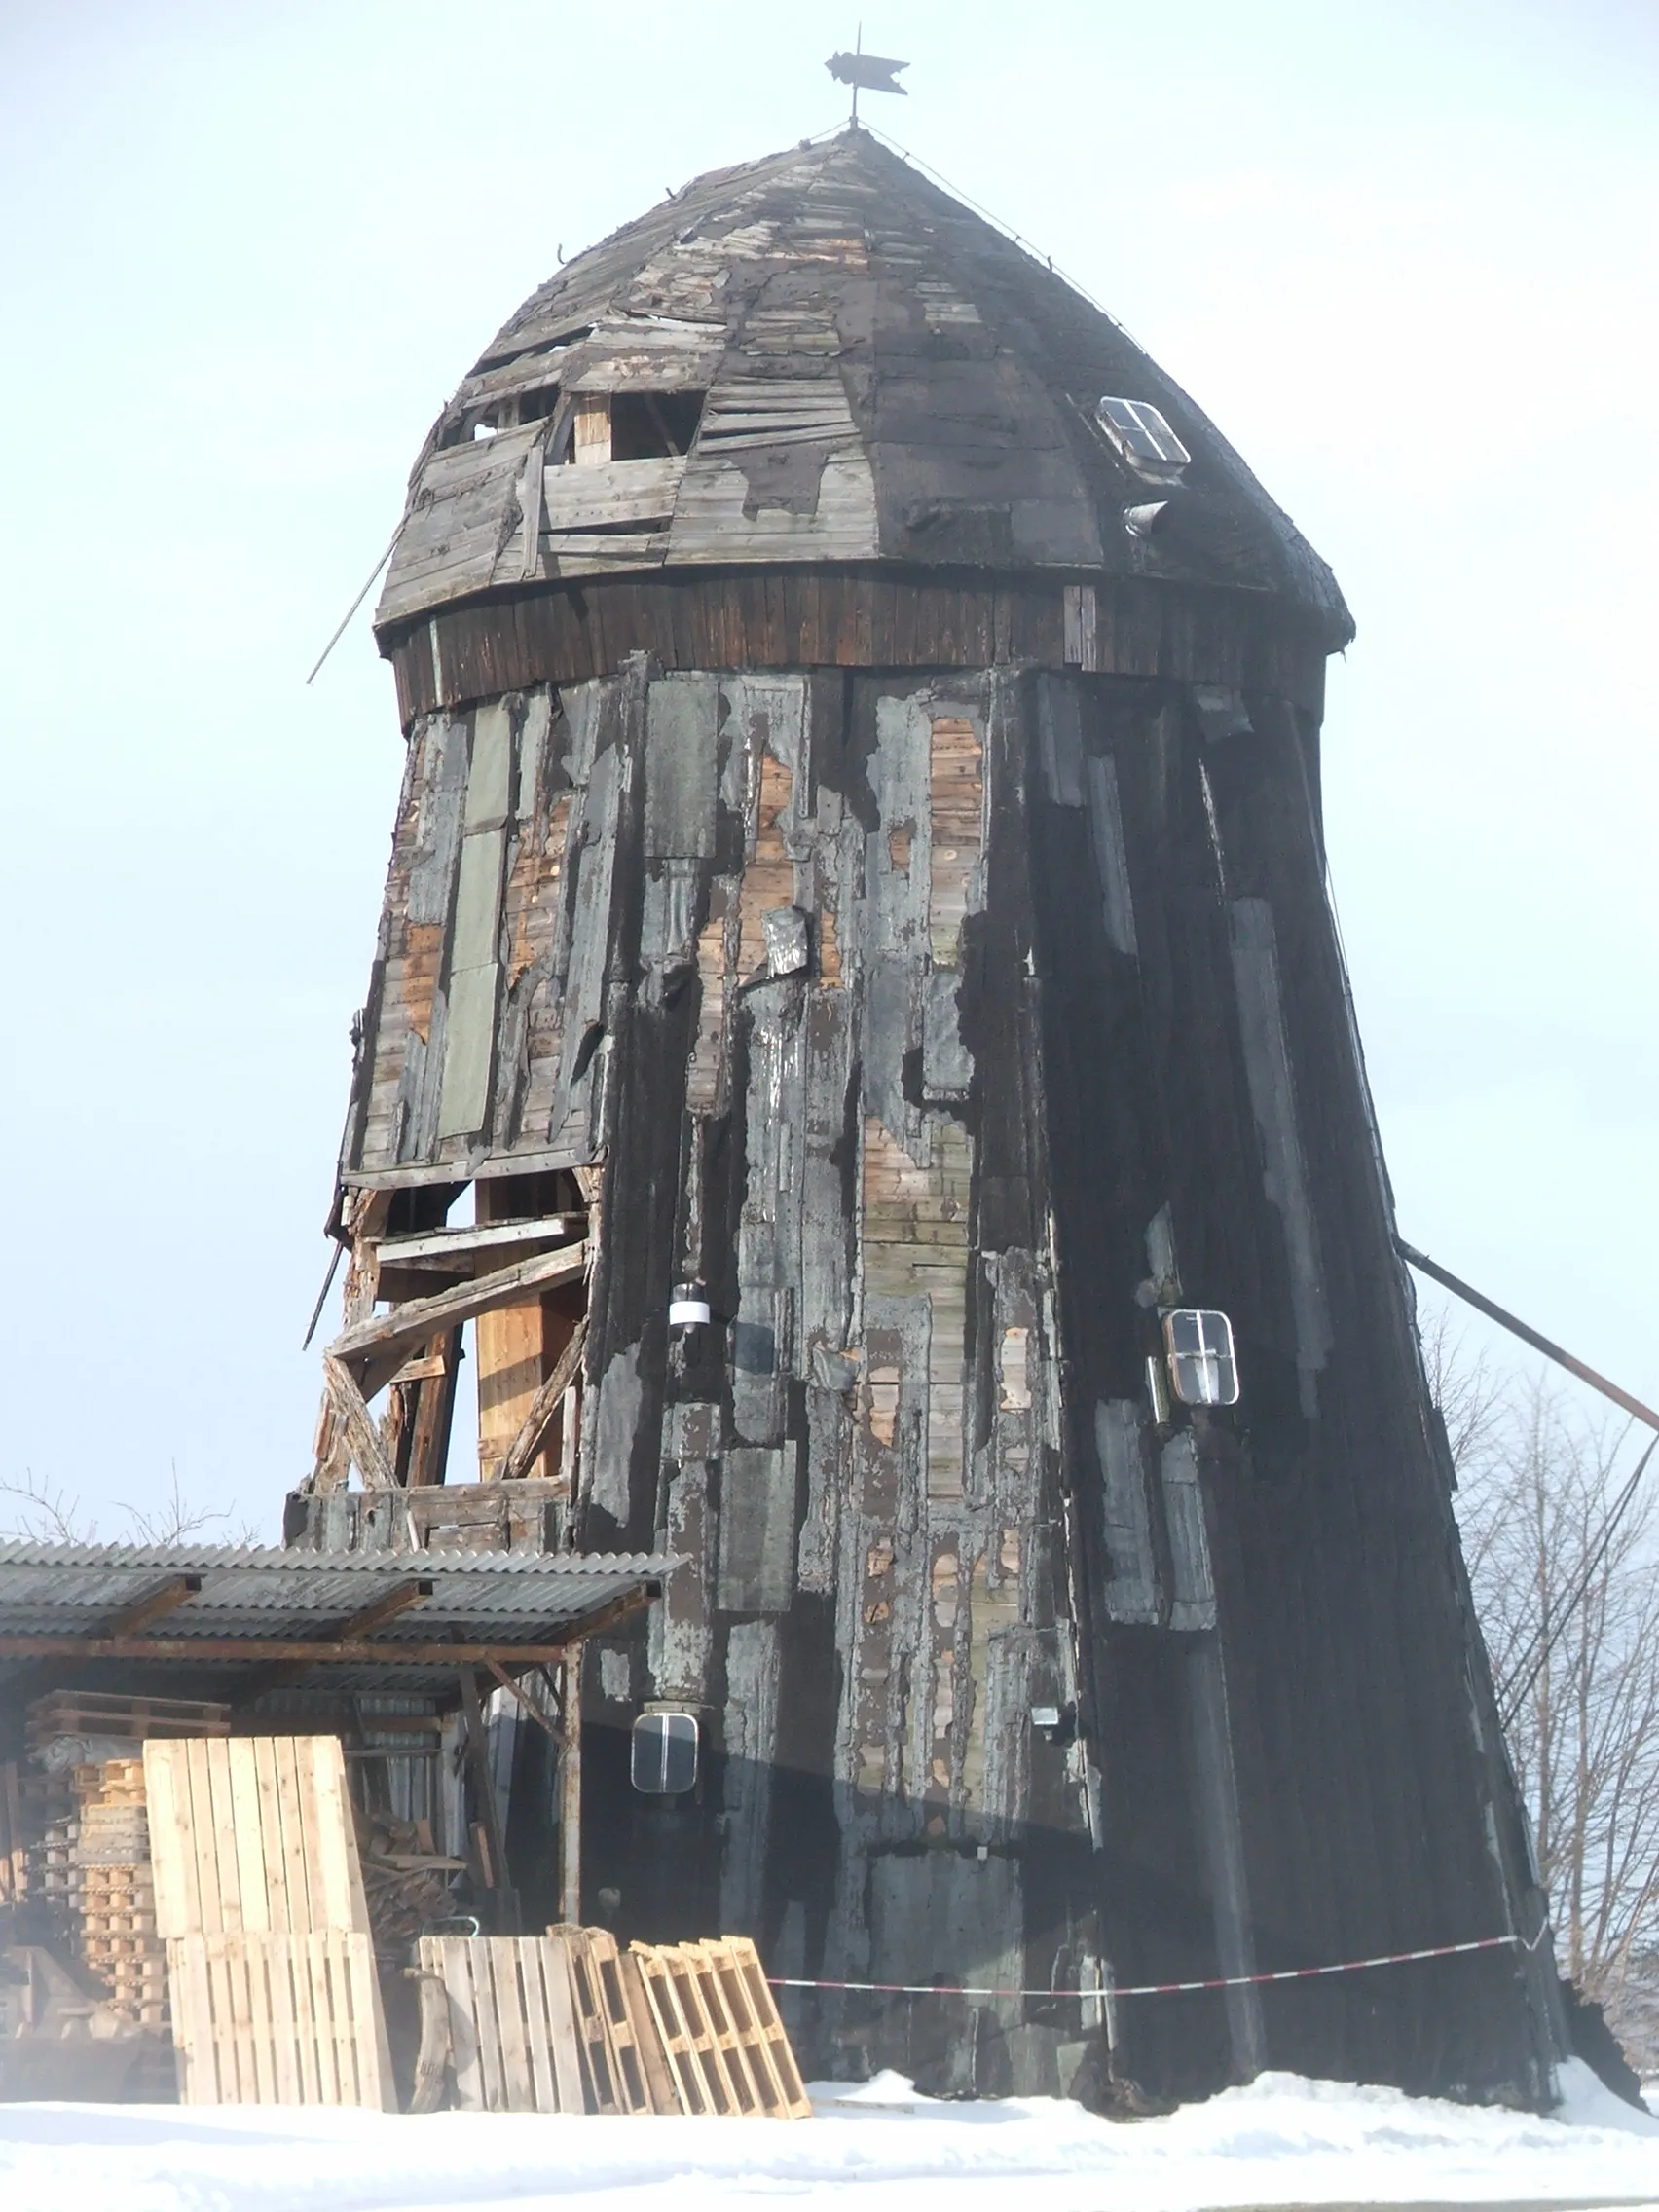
[1107, 1994]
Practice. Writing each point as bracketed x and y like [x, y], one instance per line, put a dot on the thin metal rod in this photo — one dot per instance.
[1517, 1328]
[355, 604]
[327, 1283]
[1514, 1699]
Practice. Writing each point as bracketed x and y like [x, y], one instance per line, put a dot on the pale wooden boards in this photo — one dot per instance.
[547, 2023]
[567, 2022]
[252, 1833]
[269, 2017]
[719, 2022]
[259, 1891]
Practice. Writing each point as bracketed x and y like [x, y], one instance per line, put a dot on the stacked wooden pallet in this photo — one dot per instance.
[116, 1938]
[129, 1720]
[567, 2022]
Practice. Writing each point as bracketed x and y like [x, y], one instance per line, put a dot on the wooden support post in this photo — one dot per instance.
[428, 1429]
[516, 1344]
[498, 1877]
[570, 1787]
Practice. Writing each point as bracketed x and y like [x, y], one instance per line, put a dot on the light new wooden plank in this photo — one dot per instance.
[268, 1808]
[168, 1840]
[263, 1976]
[317, 2018]
[335, 1876]
[287, 2045]
[485, 2007]
[545, 2092]
[518, 2087]
[248, 1841]
[354, 2076]
[232, 2030]
[454, 1957]
[289, 1836]
[563, 2031]
[373, 2059]
[215, 1879]
[191, 2002]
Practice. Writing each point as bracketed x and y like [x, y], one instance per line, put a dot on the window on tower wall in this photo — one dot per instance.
[663, 1760]
[1204, 1366]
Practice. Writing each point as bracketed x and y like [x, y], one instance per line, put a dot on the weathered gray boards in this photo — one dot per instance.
[884, 893]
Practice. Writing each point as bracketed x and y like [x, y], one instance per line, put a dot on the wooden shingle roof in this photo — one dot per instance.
[887, 377]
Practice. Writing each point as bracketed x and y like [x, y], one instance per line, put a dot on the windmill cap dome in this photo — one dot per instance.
[824, 357]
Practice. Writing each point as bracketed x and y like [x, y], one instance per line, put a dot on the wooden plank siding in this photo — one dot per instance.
[1027, 1068]
[1071, 1021]
[847, 617]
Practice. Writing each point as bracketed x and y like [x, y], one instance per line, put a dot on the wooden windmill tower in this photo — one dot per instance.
[855, 927]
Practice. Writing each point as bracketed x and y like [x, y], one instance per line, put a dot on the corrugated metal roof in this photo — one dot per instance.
[270, 1594]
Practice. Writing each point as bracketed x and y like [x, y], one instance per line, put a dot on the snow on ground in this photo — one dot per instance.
[878, 2147]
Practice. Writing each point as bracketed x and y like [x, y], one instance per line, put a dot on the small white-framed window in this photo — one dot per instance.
[663, 1762]
[1143, 437]
[1204, 1366]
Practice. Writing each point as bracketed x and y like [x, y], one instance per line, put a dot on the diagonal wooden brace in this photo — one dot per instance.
[362, 1437]
[544, 1406]
[373, 1351]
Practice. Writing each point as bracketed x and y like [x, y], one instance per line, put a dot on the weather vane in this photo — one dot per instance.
[867, 72]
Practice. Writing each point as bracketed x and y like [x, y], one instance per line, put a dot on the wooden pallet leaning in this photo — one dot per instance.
[621, 2048]
[725, 2046]
[259, 1894]
[553, 2023]
[272, 2017]
[252, 1833]
[512, 2034]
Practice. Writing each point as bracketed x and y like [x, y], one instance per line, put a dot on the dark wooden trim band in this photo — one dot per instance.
[848, 617]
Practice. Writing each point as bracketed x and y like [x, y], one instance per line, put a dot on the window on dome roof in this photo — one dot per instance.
[630, 425]
[1142, 436]
[653, 425]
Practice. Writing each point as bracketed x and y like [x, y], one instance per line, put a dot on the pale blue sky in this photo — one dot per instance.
[1403, 254]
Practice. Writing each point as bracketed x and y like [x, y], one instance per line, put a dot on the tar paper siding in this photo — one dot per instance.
[944, 1025]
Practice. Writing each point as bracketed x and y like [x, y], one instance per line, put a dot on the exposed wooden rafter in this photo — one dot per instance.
[177, 1591]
